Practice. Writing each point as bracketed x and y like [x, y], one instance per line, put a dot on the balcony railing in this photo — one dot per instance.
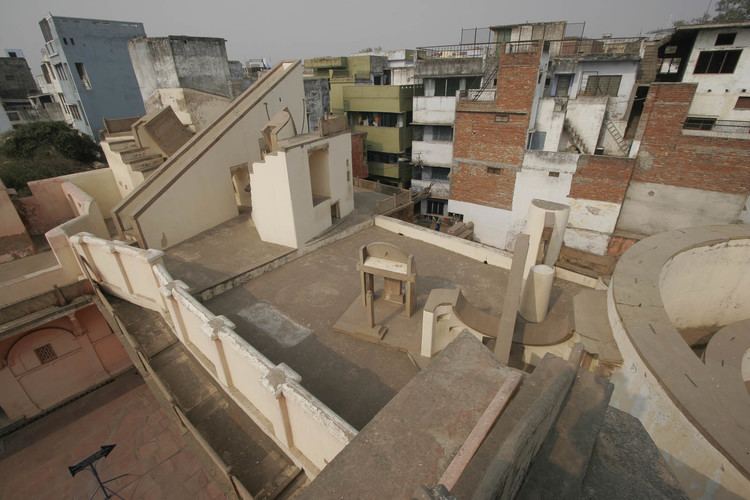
[476, 95]
[573, 47]
[457, 51]
[713, 125]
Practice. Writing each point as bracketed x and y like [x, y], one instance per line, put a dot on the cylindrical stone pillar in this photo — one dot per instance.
[536, 293]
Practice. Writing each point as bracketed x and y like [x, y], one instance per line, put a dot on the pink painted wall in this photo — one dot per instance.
[87, 353]
[14, 240]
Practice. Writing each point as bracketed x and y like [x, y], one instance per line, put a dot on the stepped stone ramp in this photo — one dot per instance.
[592, 324]
[724, 355]
[411, 441]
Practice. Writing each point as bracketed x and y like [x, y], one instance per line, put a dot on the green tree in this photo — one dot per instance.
[732, 10]
[44, 149]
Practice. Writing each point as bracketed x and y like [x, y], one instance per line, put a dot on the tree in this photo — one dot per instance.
[40, 150]
[732, 10]
[727, 11]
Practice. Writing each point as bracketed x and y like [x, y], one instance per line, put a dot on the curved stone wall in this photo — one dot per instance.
[687, 279]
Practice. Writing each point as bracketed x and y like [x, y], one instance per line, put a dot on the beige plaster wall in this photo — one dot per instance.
[309, 432]
[708, 286]
[196, 182]
[126, 179]
[282, 188]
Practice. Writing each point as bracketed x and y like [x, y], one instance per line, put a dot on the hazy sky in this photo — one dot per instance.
[279, 29]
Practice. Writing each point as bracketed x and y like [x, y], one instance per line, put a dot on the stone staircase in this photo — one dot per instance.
[559, 438]
[575, 137]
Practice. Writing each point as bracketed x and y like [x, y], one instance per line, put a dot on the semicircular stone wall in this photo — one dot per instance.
[669, 292]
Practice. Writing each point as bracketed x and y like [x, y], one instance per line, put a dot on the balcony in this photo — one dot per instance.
[378, 98]
[386, 139]
[434, 110]
[609, 48]
[433, 153]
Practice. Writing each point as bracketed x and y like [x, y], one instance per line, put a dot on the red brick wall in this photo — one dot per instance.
[474, 184]
[666, 156]
[359, 162]
[602, 178]
[493, 134]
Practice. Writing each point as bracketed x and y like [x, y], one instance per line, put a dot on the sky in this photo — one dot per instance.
[296, 29]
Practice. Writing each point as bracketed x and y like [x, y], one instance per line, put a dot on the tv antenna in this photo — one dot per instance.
[90, 463]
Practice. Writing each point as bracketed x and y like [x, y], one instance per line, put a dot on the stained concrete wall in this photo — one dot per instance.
[317, 101]
[16, 78]
[180, 61]
[194, 108]
[491, 225]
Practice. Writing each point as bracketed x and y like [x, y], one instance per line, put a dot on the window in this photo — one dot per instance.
[436, 207]
[474, 82]
[717, 61]
[725, 38]
[83, 75]
[563, 85]
[456, 216]
[494, 170]
[65, 41]
[60, 71]
[13, 116]
[45, 354]
[12, 54]
[444, 134]
[695, 123]
[72, 41]
[45, 73]
[553, 174]
[670, 65]
[74, 111]
[447, 86]
[742, 103]
[603, 85]
[440, 173]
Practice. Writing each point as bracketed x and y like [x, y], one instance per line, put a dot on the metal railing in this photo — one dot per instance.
[572, 47]
[712, 125]
[457, 51]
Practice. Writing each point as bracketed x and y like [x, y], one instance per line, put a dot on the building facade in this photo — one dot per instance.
[86, 66]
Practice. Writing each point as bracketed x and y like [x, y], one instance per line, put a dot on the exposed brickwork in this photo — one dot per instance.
[618, 245]
[601, 178]
[667, 156]
[359, 160]
[494, 134]
[474, 184]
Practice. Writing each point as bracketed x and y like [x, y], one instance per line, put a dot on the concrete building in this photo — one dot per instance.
[566, 122]
[20, 99]
[86, 64]
[190, 74]
[359, 87]
[238, 278]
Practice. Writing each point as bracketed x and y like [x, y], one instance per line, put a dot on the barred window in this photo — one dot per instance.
[603, 85]
[45, 354]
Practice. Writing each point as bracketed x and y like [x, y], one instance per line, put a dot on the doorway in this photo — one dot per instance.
[241, 186]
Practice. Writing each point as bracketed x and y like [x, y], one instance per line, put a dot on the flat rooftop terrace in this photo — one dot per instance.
[288, 314]
[234, 247]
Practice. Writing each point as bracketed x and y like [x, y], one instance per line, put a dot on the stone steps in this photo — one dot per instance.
[560, 466]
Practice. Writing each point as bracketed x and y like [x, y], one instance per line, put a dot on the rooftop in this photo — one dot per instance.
[288, 315]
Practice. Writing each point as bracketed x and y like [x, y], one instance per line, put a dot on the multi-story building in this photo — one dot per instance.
[86, 66]
[359, 87]
[20, 101]
[574, 121]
